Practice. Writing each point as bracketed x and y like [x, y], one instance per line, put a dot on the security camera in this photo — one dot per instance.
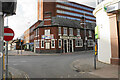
[9, 7]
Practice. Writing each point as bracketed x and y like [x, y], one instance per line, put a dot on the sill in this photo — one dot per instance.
[64, 34]
[78, 46]
[59, 34]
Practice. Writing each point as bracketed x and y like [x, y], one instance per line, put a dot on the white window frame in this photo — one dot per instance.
[78, 32]
[90, 33]
[43, 43]
[51, 43]
[89, 41]
[47, 31]
[59, 30]
[70, 31]
[64, 30]
[76, 43]
[58, 43]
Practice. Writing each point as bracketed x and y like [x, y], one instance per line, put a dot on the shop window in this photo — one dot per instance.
[60, 43]
[79, 43]
[90, 43]
[42, 43]
[52, 43]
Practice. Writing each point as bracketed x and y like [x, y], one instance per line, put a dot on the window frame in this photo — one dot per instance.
[76, 43]
[51, 43]
[58, 43]
[70, 31]
[79, 32]
[88, 42]
[64, 30]
[59, 31]
[43, 43]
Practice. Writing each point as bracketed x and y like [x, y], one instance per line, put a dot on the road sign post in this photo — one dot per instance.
[8, 35]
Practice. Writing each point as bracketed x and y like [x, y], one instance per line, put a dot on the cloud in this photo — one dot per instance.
[26, 15]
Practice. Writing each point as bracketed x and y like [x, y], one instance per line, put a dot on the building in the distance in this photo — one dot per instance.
[107, 13]
[66, 27]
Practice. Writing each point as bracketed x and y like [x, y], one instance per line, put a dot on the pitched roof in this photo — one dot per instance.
[64, 22]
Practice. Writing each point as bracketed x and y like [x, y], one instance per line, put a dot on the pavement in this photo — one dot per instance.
[83, 66]
[27, 53]
[102, 70]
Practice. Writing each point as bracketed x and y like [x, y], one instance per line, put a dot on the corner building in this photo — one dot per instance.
[65, 27]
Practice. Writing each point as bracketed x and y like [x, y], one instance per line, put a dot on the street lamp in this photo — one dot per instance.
[83, 23]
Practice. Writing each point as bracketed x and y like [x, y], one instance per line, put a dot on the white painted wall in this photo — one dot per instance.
[104, 44]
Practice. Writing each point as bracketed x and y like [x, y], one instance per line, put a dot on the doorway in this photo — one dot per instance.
[65, 46]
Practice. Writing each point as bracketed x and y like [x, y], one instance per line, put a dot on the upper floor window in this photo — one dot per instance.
[90, 33]
[59, 31]
[70, 31]
[78, 32]
[65, 31]
[47, 32]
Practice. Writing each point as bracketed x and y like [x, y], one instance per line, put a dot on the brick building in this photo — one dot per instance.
[65, 27]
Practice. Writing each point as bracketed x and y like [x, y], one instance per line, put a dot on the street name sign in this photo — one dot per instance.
[8, 34]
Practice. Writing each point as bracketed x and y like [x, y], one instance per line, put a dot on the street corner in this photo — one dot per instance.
[82, 68]
[18, 74]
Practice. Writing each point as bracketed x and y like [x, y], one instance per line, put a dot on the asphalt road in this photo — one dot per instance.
[51, 66]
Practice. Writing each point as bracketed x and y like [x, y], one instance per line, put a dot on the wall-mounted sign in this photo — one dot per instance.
[113, 7]
[48, 36]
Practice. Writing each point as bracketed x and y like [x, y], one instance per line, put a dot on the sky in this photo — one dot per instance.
[26, 15]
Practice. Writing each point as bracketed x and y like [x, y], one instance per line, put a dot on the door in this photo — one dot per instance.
[71, 46]
[65, 46]
[47, 46]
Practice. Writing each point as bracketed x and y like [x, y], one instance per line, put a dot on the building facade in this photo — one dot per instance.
[62, 27]
[63, 36]
[109, 30]
[26, 39]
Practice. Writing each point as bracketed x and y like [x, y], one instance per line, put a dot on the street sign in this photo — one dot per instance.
[8, 34]
[1, 54]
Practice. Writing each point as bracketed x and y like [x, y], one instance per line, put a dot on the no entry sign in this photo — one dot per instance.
[8, 34]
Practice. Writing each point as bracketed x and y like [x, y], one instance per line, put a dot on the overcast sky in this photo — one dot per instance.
[26, 15]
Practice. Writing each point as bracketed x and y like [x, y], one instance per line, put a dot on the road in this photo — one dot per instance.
[50, 66]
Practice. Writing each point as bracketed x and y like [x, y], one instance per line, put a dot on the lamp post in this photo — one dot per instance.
[85, 38]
